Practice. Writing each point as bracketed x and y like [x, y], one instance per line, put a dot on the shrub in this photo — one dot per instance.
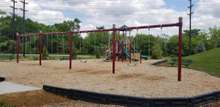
[187, 62]
[156, 51]
[74, 53]
[45, 53]
[200, 48]
[3, 104]
[173, 61]
[98, 55]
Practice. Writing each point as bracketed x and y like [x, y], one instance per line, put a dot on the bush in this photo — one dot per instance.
[11, 57]
[173, 61]
[156, 51]
[7, 56]
[45, 53]
[98, 55]
[200, 48]
[3, 104]
[187, 62]
[74, 53]
[64, 58]
[7, 46]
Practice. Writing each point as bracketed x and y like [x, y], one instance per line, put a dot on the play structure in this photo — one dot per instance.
[122, 47]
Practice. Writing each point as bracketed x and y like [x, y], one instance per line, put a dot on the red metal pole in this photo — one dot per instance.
[140, 58]
[40, 48]
[180, 50]
[70, 45]
[17, 47]
[113, 49]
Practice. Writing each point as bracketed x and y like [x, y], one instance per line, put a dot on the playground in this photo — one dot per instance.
[109, 53]
[143, 80]
[125, 69]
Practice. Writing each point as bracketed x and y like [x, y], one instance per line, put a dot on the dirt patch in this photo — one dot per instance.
[158, 80]
[32, 98]
[57, 68]
[154, 78]
[82, 71]
[44, 99]
[140, 76]
[128, 76]
[99, 72]
[31, 64]
[92, 72]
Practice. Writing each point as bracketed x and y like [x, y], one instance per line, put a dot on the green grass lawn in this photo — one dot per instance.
[3, 104]
[208, 61]
[7, 56]
[50, 57]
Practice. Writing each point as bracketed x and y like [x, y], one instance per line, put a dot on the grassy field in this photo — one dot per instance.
[208, 61]
[7, 56]
[3, 104]
[50, 57]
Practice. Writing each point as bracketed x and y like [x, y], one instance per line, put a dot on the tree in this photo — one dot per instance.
[199, 48]
[2, 12]
[6, 30]
[45, 53]
[97, 42]
[194, 32]
[156, 49]
[76, 23]
[215, 36]
[67, 26]
[144, 43]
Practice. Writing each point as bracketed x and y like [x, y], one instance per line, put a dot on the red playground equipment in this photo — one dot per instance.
[115, 31]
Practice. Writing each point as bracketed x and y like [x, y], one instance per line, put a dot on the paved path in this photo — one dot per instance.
[8, 87]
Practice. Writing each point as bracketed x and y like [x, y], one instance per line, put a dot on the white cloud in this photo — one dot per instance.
[206, 14]
[209, 7]
[49, 17]
[131, 12]
[44, 15]
[37, 11]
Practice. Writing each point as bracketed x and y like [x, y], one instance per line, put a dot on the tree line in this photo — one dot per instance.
[98, 43]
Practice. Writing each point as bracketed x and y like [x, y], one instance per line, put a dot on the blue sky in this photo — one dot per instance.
[179, 5]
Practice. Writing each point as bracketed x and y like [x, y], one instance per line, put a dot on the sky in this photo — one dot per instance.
[94, 13]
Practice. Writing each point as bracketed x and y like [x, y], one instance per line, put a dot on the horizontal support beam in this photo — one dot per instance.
[132, 28]
[109, 30]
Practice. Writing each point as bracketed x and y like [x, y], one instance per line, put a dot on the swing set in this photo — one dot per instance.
[115, 40]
